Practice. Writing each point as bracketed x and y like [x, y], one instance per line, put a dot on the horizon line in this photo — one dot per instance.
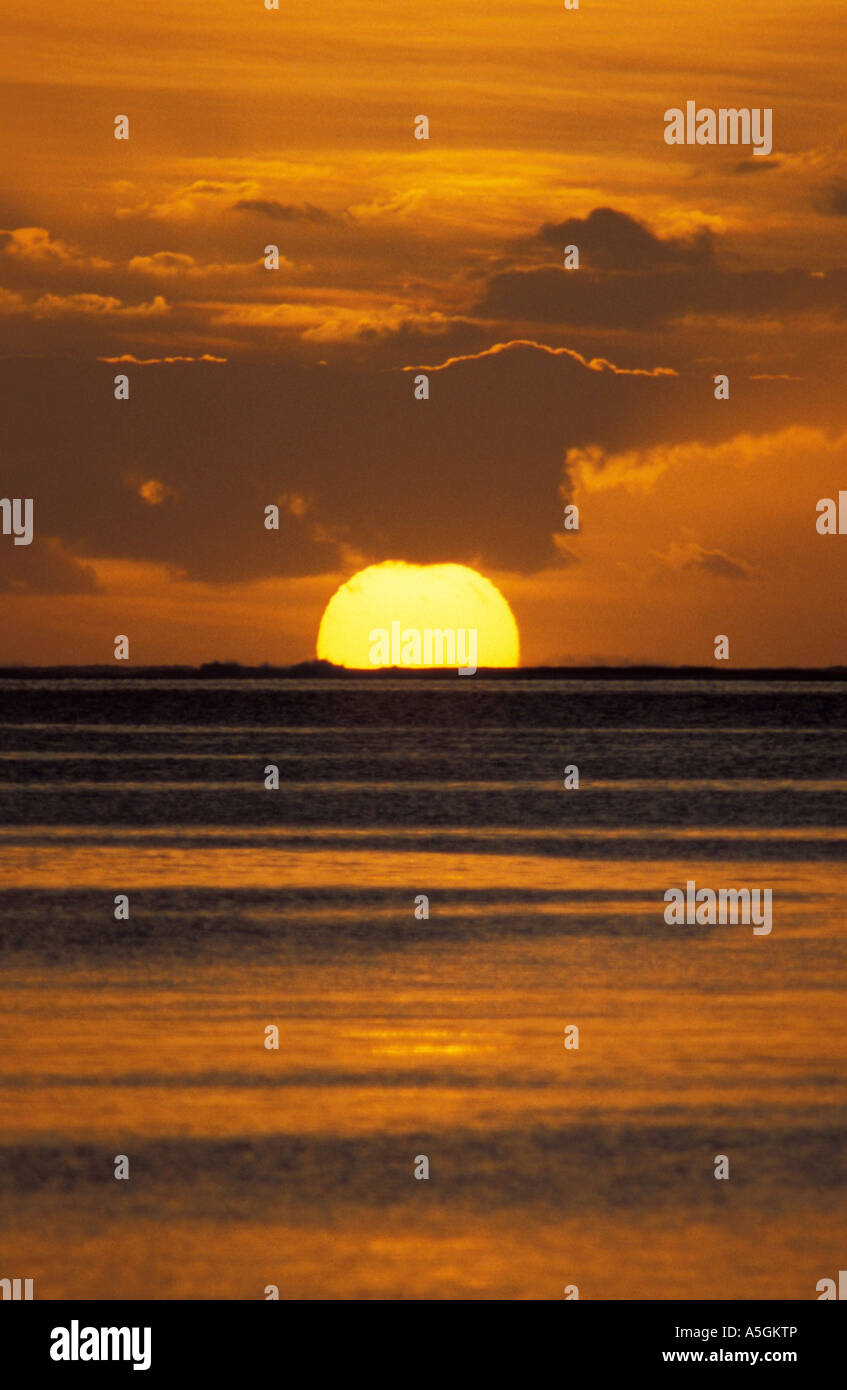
[328, 669]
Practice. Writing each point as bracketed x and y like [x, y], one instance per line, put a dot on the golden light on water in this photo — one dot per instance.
[381, 616]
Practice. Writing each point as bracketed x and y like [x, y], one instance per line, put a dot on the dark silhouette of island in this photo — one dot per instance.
[327, 670]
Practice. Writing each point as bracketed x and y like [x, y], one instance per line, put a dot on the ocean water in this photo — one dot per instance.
[401, 1037]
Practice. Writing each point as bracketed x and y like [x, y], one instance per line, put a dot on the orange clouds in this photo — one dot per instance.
[170, 619]
[733, 524]
[156, 361]
[155, 492]
[294, 128]
[108, 306]
[36, 247]
[596, 364]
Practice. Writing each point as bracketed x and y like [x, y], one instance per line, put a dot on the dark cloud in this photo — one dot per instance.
[44, 566]
[835, 198]
[716, 562]
[471, 475]
[756, 165]
[631, 279]
[657, 297]
[611, 240]
[692, 556]
[284, 212]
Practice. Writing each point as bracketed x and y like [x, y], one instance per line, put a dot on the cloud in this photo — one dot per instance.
[158, 361]
[188, 201]
[358, 467]
[295, 503]
[329, 322]
[96, 305]
[596, 364]
[36, 247]
[11, 302]
[755, 165]
[285, 212]
[689, 555]
[164, 263]
[397, 206]
[612, 240]
[593, 469]
[361, 468]
[680, 542]
[178, 265]
[46, 566]
[631, 279]
[835, 198]
[654, 298]
[204, 198]
[155, 492]
[169, 618]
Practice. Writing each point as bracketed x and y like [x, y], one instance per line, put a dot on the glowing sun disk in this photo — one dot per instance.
[396, 614]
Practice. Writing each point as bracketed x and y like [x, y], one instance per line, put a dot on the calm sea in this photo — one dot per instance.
[402, 1036]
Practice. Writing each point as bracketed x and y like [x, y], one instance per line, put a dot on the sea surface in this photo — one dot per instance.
[403, 1036]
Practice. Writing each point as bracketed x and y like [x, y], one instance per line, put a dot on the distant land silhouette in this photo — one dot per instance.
[327, 670]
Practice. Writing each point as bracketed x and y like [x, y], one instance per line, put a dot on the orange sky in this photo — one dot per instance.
[295, 127]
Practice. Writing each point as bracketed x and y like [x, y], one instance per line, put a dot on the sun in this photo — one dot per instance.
[395, 614]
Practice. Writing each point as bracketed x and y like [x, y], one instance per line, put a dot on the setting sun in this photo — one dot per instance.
[395, 614]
